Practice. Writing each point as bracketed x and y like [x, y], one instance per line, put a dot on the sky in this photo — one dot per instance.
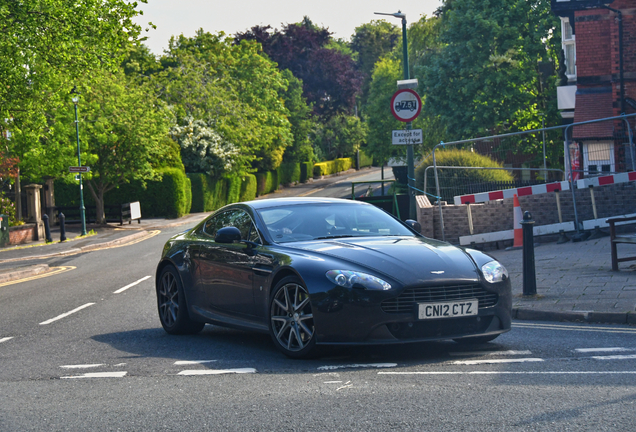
[174, 17]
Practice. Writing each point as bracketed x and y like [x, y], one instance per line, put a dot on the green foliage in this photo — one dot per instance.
[461, 158]
[306, 171]
[484, 79]
[365, 160]
[266, 182]
[7, 207]
[188, 195]
[289, 173]
[233, 189]
[332, 167]
[300, 119]
[248, 188]
[202, 193]
[340, 136]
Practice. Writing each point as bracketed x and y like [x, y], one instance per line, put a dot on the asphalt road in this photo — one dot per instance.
[109, 366]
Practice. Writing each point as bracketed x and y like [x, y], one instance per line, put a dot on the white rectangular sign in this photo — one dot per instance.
[413, 136]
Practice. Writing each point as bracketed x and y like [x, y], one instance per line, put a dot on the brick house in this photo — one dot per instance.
[599, 45]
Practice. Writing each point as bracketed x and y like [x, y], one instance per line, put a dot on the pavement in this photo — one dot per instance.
[574, 281]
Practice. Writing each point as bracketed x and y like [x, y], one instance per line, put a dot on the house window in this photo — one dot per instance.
[598, 158]
[569, 48]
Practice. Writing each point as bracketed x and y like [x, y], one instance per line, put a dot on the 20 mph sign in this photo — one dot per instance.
[406, 105]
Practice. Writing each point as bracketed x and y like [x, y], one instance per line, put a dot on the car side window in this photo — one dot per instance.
[235, 218]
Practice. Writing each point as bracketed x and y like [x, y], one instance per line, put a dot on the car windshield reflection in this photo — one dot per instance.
[295, 223]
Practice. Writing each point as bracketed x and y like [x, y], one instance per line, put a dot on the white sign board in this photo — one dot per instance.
[407, 137]
[135, 210]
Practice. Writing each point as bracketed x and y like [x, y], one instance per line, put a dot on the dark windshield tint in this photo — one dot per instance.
[314, 221]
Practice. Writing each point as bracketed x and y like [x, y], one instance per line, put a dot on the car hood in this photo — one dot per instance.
[409, 260]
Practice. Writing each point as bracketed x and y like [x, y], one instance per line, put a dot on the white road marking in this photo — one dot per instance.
[119, 364]
[346, 385]
[351, 366]
[218, 371]
[615, 357]
[64, 315]
[98, 375]
[515, 373]
[121, 290]
[191, 362]
[83, 366]
[494, 361]
[332, 382]
[576, 328]
[5, 339]
[509, 352]
[589, 350]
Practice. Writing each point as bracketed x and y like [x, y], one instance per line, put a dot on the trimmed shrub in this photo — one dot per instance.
[267, 182]
[248, 188]
[233, 189]
[289, 173]
[202, 193]
[332, 167]
[188, 192]
[365, 160]
[220, 188]
[306, 171]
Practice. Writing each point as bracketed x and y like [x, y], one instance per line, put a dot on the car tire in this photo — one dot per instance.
[291, 323]
[476, 340]
[171, 304]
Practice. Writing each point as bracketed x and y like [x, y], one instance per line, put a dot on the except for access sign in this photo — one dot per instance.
[406, 105]
[407, 137]
[79, 169]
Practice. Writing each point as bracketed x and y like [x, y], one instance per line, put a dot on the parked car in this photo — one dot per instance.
[314, 272]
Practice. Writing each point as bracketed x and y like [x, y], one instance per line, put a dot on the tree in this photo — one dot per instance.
[301, 121]
[330, 80]
[485, 78]
[122, 131]
[339, 137]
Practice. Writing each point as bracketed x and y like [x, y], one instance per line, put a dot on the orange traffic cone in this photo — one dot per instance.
[518, 217]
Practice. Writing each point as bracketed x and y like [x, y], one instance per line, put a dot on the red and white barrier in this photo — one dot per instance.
[606, 180]
[509, 193]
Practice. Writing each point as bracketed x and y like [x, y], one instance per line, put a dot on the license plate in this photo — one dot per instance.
[448, 309]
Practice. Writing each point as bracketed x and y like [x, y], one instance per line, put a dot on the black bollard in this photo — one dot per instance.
[62, 228]
[47, 228]
[529, 276]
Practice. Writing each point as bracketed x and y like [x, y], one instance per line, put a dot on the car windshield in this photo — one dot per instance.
[304, 222]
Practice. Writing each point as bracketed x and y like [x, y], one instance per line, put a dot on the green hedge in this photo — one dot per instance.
[168, 197]
[188, 192]
[365, 160]
[289, 173]
[266, 182]
[202, 193]
[332, 167]
[306, 171]
[248, 188]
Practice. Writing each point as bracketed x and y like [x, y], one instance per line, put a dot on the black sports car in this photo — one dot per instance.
[328, 271]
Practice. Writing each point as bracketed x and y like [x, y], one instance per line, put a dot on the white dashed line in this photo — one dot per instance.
[5, 339]
[589, 350]
[332, 382]
[192, 362]
[98, 375]
[353, 366]
[509, 352]
[218, 371]
[64, 315]
[84, 366]
[121, 290]
[495, 361]
[515, 373]
[615, 357]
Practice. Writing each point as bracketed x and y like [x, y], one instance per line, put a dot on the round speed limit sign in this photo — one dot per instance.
[406, 105]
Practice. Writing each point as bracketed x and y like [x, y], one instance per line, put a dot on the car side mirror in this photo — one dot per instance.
[228, 235]
[415, 225]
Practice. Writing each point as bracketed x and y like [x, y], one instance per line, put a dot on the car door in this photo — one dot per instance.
[225, 269]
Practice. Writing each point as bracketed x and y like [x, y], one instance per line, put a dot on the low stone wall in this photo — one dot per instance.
[23, 234]
[492, 216]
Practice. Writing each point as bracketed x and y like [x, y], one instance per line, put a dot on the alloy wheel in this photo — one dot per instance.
[169, 299]
[291, 317]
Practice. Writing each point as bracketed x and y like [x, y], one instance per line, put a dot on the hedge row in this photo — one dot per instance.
[209, 195]
[332, 167]
[168, 197]
[365, 161]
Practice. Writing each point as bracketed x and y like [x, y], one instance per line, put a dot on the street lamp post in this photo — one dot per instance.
[409, 125]
[79, 162]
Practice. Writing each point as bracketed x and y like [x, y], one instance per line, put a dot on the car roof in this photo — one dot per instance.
[277, 202]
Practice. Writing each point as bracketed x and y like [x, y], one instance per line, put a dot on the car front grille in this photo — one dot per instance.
[406, 301]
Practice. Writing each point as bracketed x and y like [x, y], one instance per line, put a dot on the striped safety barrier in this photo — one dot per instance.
[509, 193]
[606, 180]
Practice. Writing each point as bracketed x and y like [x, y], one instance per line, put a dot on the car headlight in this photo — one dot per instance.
[354, 279]
[494, 272]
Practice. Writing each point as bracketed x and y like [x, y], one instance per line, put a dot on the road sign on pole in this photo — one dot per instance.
[407, 137]
[79, 169]
[406, 105]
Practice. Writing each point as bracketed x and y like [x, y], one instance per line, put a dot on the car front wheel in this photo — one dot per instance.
[291, 319]
[173, 312]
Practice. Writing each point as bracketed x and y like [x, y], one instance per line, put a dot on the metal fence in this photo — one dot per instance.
[583, 150]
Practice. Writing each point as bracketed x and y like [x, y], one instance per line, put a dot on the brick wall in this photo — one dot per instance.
[593, 31]
[495, 216]
[22, 234]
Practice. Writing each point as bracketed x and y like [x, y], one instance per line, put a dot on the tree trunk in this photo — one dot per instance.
[99, 204]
